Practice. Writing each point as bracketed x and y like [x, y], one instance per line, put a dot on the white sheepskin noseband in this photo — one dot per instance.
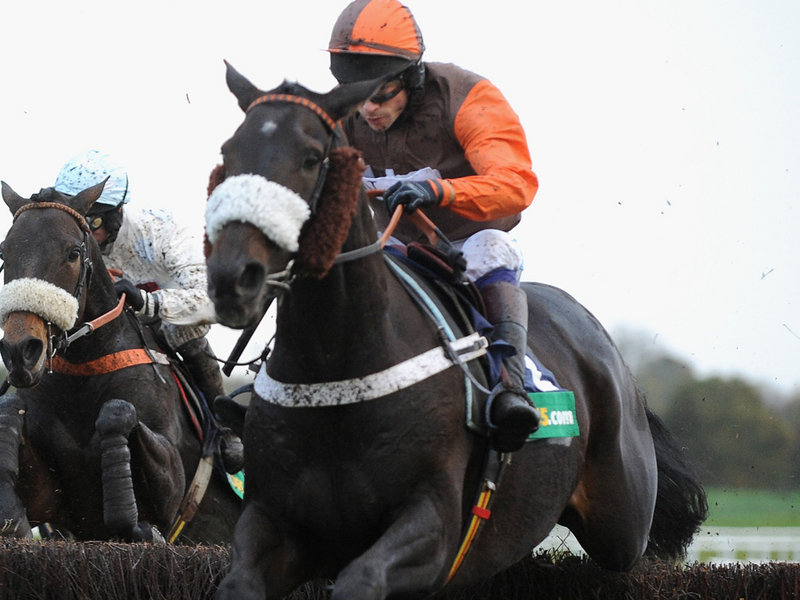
[274, 209]
[41, 298]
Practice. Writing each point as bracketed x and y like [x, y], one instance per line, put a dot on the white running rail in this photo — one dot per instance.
[715, 544]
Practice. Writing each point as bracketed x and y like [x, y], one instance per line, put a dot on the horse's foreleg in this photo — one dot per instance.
[13, 520]
[115, 425]
[263, 566]
[409, 559]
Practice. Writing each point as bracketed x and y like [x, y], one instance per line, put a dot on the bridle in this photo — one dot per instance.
[326, 119]
[283, 279]
[86, 264]
[60, 342]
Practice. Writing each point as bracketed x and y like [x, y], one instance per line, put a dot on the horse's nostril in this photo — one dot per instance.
[32, 351]
[252, 277]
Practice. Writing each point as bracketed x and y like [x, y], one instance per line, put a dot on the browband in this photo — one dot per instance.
[316, 108]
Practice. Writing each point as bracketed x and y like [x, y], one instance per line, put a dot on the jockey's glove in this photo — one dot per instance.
[144, 303]
[413, 195]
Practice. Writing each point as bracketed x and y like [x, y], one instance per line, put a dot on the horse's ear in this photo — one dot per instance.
[241, 87]
[12, 199]
[83, 200]
[345, 98]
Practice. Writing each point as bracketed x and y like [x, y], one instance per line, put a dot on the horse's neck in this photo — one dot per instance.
[343, 323]
[101, 298]
[349, 301]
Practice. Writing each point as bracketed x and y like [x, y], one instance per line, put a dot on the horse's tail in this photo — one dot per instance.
[681, 504]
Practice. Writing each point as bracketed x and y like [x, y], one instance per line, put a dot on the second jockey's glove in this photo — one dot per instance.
[139, 300]
[413, 194]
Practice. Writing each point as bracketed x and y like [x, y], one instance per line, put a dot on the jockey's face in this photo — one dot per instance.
[381, 110]
[101, 235]
[97, 224]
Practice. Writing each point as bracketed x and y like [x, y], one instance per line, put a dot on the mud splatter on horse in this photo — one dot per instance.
[360, 466]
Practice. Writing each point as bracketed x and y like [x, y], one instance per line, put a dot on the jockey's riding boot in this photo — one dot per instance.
[204, 369]
[511, 414]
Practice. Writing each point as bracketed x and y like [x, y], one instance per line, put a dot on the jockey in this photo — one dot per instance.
[444, 139]
[163, 270]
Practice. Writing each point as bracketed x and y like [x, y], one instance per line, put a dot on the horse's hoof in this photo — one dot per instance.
[117, 417]
[145, 532]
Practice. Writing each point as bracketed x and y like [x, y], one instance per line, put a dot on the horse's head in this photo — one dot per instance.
[47, 267]
[279, 167]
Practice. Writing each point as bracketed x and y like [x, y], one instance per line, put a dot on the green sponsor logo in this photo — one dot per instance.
[559, 418]
[236, 482]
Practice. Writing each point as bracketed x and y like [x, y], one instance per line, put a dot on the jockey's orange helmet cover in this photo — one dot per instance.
[372, 38]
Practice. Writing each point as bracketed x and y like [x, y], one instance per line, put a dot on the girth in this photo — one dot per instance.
[109, 363]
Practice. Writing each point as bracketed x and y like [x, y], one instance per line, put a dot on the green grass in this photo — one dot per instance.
[752, 508]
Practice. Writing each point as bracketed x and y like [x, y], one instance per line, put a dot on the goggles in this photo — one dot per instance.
[384, 95]
[95, 222]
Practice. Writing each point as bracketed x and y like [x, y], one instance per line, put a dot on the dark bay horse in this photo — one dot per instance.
[359, 465]
[97, 439]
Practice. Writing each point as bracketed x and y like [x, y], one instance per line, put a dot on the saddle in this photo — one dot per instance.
[444, 271]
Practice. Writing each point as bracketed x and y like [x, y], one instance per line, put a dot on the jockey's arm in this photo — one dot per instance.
[495, 144]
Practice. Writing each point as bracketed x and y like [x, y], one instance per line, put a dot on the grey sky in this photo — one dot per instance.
[665, 136]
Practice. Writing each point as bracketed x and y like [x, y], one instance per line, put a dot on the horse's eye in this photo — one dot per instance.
[312, 160]
[74, 254]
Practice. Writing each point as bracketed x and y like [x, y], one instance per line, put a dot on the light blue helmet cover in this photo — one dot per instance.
[90, 168]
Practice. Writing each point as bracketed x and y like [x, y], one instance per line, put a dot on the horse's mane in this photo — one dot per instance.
[47, 195]
[322, 236]
[292, 88]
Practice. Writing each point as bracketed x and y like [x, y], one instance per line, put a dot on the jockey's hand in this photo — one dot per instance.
[134, 297]
[413, 194]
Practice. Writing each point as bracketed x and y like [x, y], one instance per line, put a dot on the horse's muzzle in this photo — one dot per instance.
[238, 269]
[23, 348]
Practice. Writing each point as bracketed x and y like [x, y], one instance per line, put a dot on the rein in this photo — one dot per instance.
[418, 218]
[62, 342]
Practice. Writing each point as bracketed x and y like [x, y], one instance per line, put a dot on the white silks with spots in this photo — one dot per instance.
[152, 247]
[492, 249]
